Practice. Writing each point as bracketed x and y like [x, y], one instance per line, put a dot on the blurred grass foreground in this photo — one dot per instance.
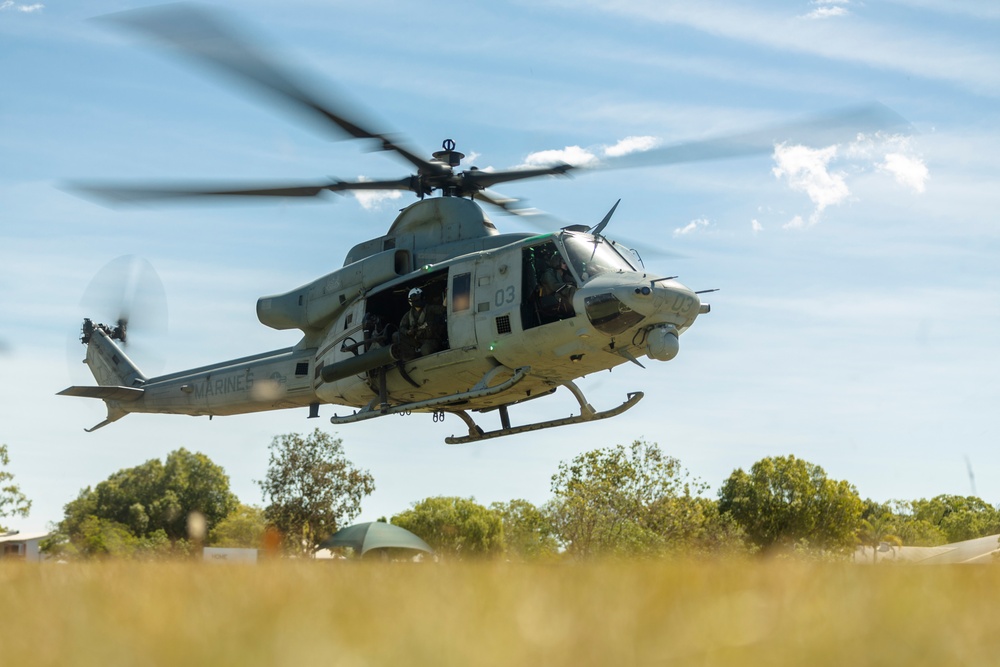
[489, 613]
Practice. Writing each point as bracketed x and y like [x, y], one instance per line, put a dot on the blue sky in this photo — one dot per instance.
[859, 309]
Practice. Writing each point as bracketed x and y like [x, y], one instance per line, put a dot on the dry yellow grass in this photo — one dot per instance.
[746, 613]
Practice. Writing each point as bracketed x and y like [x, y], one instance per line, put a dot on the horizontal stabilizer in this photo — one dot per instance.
[111, 393]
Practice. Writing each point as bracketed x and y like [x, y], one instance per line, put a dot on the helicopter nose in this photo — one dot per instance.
[614, 308]
[673, 301]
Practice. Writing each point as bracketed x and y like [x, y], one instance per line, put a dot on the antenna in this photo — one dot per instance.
[972, 476]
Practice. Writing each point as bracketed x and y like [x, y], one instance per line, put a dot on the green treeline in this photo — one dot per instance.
[620, 501]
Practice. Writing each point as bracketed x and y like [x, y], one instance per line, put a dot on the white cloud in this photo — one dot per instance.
[756, 226]
[17, 7]
[894, 155]
[908, 171]
[631, 145]
[806, 170]
[826, 9]
[585, 157]
[811, 170]
[372, 200]
[826, 13]
[573, 155]
[692, 226]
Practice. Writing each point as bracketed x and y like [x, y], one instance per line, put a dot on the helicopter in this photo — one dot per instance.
[501, 318]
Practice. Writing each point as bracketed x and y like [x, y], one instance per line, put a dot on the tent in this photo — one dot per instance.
[363, 537]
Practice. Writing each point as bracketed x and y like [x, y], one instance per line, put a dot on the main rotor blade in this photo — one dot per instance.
[477, 179]
[509, 204]
[823, 130]
[123, 195]
[537, 218]
[210, 40]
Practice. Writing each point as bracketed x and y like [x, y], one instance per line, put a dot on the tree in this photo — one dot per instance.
[878, 526]
[693, 525]
[12, 501]
[959, 518]
[625, 501]
[242, 529]
[528, 533]
[785, 501]
[913, 531]
[150, 502]
[102, 538]
[312, 489]
[457, 528]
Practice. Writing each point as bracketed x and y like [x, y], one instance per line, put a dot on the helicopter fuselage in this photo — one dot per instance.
[507, 336]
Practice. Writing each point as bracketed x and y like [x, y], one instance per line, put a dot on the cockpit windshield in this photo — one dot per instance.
[592, 255]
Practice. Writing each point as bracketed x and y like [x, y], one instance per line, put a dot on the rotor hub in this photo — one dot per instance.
[449, 155]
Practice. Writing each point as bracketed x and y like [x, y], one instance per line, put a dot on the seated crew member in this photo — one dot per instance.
[557, 287]
[422, 329]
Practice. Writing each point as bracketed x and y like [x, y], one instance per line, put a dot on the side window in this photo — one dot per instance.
[461, 292]
[548, 286]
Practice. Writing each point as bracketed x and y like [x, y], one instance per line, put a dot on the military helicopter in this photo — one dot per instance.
[506, 317]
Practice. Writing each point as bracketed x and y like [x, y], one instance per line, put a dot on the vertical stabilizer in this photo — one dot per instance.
[109, 363]
[119, 378]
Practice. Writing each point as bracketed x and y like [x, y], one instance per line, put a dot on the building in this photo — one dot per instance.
[22, 546]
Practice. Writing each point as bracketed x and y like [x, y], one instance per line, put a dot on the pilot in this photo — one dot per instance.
[422, 330]
[558, 286]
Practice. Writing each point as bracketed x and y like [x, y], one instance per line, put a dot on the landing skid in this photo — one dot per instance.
[587, 414]
[377, 408]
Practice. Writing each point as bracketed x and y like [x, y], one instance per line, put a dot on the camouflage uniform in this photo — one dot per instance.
[557, 287]
[422, 331]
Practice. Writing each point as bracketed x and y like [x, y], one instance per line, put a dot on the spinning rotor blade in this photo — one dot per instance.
[129, 290]
[823, 130]
[210, 40]
[125, 291]
[478, 180]
[124, 195]
[508, 204]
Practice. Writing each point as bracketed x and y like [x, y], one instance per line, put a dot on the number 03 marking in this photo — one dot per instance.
[504, 296]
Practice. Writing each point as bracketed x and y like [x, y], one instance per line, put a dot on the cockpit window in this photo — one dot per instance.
[592, 255]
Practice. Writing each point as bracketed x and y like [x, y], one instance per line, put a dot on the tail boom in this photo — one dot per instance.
[268, 381]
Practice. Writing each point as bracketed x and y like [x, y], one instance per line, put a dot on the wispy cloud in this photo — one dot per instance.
[756, 226]
[10, 5]
[691, 227]
[974, 8]
[916, 50]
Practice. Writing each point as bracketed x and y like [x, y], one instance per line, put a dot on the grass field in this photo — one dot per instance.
[638, 613]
